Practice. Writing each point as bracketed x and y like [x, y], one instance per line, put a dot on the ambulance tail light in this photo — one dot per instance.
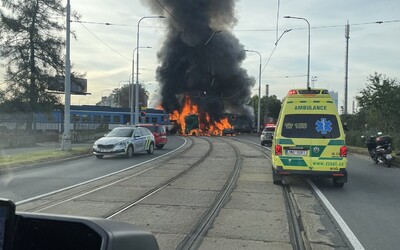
[278, 150]
[343, 151]
[293, 92]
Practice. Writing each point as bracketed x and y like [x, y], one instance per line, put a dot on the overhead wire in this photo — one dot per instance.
[238, 30]
[162, 6]
[102, 41]
[243, 30]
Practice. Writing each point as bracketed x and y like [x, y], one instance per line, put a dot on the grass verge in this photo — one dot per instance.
[22, 159]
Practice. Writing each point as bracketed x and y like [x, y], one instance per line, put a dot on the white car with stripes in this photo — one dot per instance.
[124, 140]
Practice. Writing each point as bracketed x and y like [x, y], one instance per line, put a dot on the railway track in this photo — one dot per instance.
[94, 185]
[215, 193]
[294, 218]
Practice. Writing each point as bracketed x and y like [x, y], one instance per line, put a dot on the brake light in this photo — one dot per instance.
[343, 151]
[278, 150]
[293, 92]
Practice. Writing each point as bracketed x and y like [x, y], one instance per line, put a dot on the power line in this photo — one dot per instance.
[269, 58]
[100, 23]
[239, 30]
[162, 6]
[323, 27]
[293, 76]
[105, 43]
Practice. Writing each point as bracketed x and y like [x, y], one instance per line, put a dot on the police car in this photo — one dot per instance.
[125, 141]
[309, 138]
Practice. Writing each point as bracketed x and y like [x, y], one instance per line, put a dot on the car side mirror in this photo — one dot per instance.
[64, 232]
[7, 218]
[44, 231]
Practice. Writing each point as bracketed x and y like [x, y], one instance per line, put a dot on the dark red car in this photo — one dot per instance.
[159, 132]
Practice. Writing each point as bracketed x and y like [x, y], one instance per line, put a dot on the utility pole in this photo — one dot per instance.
[346, 77]
[66, 138]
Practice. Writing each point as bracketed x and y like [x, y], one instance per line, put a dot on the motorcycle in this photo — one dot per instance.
[380, 149]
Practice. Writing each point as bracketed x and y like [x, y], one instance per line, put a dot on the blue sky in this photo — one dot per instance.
[373, 47]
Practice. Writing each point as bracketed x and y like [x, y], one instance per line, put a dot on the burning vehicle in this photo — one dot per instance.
[200, 73]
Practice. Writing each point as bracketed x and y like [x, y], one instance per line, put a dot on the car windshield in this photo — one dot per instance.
[121, 132]
[310, 126]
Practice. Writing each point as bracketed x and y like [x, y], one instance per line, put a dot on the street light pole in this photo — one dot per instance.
[131, 103]
[259, 90]
[309, 39]
[137, 70]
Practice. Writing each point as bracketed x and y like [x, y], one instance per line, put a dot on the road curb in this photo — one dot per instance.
[42, 164]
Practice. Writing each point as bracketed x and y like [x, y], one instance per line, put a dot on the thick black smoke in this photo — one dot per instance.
[208, 70]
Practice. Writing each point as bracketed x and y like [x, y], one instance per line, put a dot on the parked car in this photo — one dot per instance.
[159, 133]
[125, 140]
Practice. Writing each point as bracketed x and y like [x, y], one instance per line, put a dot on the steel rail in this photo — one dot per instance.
[160, 187]
[50, 204]
[196, 235]
[294, 221]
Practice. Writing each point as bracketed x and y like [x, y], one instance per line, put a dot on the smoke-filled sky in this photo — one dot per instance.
[200, 57]
[105, 51]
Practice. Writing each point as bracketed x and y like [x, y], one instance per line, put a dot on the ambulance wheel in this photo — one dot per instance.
[337, 184]
[276, 178]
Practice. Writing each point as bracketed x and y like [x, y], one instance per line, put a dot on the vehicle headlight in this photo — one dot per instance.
[120, 145]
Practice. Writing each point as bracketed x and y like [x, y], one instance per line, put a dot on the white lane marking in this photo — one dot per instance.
[347, 231]
[342, 224]
[99, 178]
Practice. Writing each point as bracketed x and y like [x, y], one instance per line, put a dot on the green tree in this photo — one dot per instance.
[120, 96]
[273, 106]
[270, 106]
[31, 46]
[380, 101]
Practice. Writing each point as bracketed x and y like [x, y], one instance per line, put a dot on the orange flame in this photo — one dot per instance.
[205, 125]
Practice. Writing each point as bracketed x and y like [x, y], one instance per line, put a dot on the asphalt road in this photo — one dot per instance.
[369, 203]
[25, 184]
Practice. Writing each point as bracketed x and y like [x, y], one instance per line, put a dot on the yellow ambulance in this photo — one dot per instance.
[309, 138]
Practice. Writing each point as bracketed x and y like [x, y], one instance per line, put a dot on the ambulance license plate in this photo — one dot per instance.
[296, 152]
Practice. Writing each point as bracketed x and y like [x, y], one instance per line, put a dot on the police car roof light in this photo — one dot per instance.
[293, 92]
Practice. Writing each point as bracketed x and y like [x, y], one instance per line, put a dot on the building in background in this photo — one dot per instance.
[106, 101]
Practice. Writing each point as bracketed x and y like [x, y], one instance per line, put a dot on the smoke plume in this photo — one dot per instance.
[201, 57]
